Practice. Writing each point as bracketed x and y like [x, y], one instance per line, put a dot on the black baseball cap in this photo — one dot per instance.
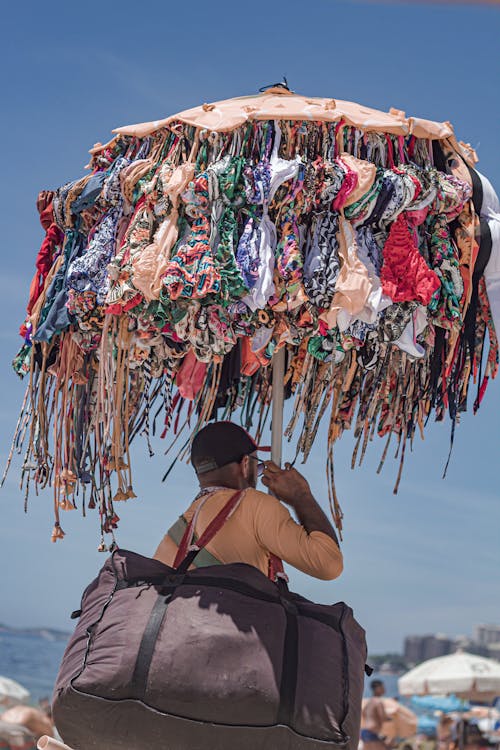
[219, 444]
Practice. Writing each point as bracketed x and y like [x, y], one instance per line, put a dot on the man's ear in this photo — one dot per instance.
[245, 461]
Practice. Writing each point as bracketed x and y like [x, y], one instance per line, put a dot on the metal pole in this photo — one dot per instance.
[278, 401]
[461, 734]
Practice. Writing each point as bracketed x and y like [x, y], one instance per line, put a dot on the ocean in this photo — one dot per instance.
[34, 661]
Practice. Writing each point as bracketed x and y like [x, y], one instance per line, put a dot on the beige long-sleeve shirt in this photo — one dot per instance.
[260, 525]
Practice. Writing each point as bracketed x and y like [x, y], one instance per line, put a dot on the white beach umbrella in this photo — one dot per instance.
[466, 675]
[11, 691]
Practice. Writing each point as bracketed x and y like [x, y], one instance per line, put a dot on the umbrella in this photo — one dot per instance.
[443, 703]
[467, 676]
[403, 721]
[427, 725]
[12, 692]
[216, 261]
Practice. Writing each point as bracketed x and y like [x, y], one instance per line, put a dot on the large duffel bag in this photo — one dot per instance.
[216, 658]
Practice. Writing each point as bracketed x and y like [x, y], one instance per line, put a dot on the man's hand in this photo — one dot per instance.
[289, 486]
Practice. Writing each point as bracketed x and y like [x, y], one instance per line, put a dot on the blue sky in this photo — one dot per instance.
[425, 560]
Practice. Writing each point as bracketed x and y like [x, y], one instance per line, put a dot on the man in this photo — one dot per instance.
[373, 717]
[224, 457]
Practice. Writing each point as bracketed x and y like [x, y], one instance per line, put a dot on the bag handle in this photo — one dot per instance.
[187, 551]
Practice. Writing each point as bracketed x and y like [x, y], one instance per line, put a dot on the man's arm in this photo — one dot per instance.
[289, 486]
[310, 545]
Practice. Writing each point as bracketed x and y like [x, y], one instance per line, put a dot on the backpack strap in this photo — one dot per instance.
[187, 549]
[276, 572]
[204, 557]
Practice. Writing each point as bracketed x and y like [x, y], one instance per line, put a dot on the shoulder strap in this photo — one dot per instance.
[187, 551]
[276, 571]
[204, 558]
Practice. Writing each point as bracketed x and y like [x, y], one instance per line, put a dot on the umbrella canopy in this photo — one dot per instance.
[279, 103]
[12, 692]
[466, 675]
[427, 725]
[216, 260]
[444, 703]
[403, 722]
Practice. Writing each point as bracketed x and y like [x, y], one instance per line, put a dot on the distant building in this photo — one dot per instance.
[485, 642]
[419, 648]
[465, 643]
[413, 648]
[493, 651]
[486, 635]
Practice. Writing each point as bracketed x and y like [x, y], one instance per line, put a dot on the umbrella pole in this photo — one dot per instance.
[278, 395]
[461, 734]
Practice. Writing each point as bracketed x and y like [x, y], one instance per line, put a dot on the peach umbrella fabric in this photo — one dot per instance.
[280, 104]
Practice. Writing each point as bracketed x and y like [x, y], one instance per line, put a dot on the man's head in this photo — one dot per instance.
[378, 687]
[224, 454]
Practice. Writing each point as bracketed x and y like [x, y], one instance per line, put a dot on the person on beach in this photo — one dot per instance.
[36, 721]
[444, 732]
[373, 717]
[225, 459]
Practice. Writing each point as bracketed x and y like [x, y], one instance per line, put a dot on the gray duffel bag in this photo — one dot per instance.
[213, 658]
